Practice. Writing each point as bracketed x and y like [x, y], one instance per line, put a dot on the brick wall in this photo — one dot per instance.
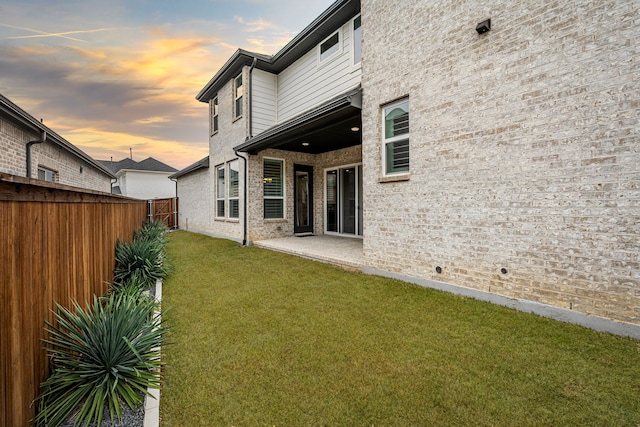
[196, 201]
[70, 170]
[524, 148]
[13, 142]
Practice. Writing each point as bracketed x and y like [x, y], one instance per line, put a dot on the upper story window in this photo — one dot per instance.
[47, 174]
[357, 40]
[237, 96]
[213, 104]
[330, 46]
[395, 137]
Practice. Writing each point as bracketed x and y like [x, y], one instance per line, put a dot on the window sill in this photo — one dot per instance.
[235, 119]
[214, 133]
[394, 178]
[232, 220]
[275, 220]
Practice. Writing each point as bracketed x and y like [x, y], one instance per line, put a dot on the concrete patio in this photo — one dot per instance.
[342, 251]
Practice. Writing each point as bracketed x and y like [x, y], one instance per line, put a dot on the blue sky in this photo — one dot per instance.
[119, 74]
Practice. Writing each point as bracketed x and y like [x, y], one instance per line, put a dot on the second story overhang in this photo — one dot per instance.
[331, 126]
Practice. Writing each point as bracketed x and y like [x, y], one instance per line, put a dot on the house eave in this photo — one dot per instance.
[330, 20]
[26, 121]
[337, 110]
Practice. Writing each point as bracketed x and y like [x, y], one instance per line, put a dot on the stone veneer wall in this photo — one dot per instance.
[70, 170]
[524, 148]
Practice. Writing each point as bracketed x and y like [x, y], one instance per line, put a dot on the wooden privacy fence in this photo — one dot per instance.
[56, 244]
[165, 210]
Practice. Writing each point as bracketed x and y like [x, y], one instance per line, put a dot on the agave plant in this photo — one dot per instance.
[107, 355]
[142, 259]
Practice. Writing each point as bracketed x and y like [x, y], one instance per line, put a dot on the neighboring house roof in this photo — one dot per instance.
[322, 27]
[21, 118]
[149, 164]
[200, 164]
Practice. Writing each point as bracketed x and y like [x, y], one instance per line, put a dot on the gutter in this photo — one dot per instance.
[43, 138]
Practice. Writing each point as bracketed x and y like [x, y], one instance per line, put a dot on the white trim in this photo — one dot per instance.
[284, 190]
[324, 61]
[215, 101]
[235, 98]
[393, 139]
[229, 197]
[355, 65]
[217, 195]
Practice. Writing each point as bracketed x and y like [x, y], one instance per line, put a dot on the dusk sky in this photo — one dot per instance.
[119, 74]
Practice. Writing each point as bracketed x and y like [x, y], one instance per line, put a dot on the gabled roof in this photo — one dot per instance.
[322, 27]
[25, 120]
[200, 164]
[149, 164]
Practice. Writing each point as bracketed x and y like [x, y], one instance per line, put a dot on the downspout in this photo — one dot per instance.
[43, 138]
[175, 211]
[244, 159]
[113, 181]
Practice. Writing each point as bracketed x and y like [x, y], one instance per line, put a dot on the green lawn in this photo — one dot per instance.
[262, 338]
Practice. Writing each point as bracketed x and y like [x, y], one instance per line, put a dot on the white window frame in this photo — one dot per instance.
[284, 189]
[353, 41]
[220, 197]
[231, 196]
[333, 55]
[214, 113]
[237, 98]
[48, 173]
[392, 140]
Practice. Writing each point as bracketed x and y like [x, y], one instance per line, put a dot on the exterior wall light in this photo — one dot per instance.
[484, 26]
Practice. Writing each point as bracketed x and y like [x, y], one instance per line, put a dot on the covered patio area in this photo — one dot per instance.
[342, 251]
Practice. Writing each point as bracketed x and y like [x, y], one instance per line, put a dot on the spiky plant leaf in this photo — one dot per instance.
[106, 354]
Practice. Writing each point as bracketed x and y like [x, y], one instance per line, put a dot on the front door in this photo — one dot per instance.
[303, 199]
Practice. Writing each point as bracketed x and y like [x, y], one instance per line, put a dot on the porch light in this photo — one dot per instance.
[305, 143]
[355, 128]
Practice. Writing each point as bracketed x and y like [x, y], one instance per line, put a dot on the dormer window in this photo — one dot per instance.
[237, 94]
[330, 46]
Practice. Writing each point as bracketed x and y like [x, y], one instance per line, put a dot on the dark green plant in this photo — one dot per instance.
[142, 259]
[152, 230]
[105, 355]
[134, 286]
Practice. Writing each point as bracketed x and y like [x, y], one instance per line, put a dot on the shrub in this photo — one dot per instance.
[141, 259]
[134, 286]
[106, 355]
[152, 230]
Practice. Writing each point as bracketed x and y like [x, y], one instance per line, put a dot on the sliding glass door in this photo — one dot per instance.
[343, 200]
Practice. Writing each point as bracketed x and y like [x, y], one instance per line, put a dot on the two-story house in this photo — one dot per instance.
[285, 136]
[486, 149]
[147, 179]
[33, 150]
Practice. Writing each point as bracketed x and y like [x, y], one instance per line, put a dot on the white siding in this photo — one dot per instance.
[263, 98]
[146, 184]
[307, 83]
